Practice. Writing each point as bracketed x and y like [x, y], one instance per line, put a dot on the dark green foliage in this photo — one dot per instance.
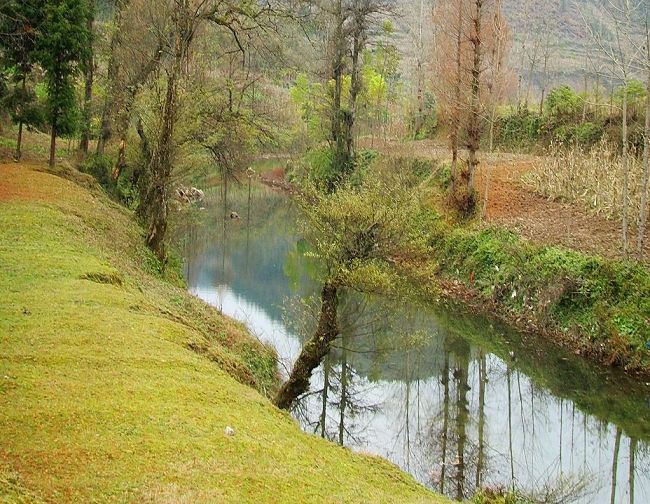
[62, 42]
[408, 170]
[18, 27]
[424, 124]
[586, 135]
[101, 167]
[317, 167]
[17, 56]
[518, 129]
[442, 177]
[22, 104]
[563, 105]
[568, 119]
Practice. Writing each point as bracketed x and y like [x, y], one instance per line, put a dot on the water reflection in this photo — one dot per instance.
[460, 402]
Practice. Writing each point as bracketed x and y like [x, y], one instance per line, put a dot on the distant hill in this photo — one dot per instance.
[565, 23]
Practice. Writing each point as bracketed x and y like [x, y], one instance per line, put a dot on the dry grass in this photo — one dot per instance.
[593, 178]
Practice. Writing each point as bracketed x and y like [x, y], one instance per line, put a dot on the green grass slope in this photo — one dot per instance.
[116, 386]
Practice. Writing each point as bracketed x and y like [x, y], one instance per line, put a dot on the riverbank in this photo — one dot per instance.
[117, 386]
[596, 307]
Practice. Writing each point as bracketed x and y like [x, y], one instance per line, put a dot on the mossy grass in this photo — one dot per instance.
[103, 394]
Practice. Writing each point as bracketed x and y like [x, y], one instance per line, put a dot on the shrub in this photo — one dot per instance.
[100, 167]
[563, 105]
[517, 129]
[588, 134]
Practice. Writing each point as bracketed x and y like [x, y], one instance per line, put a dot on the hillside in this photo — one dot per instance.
[116, 386]
[564, 22]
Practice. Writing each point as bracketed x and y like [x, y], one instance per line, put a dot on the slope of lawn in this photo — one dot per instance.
[116, 386]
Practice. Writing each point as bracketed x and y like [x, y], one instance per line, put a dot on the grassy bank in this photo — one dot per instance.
[597, 307]
[116, 386]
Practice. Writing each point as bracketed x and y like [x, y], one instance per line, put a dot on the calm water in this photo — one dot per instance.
[457, 401]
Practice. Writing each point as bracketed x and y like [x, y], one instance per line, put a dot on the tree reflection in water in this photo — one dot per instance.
[434, 390]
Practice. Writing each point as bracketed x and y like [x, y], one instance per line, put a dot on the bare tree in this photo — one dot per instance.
[643, 219]
[451, 60]
[621, 51]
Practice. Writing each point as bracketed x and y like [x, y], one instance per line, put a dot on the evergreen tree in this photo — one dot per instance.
[17, 42]
[62, 44]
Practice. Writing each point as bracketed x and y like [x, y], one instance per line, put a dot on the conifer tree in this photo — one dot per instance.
[62, 43]
[17, 40]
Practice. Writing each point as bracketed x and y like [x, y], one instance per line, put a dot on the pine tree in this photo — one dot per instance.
[62, 44]
[17, 41]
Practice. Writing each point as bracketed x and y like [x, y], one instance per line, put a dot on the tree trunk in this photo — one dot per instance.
[464, 197]
[114, 77]
[160, 167]
[53, 146]
[344, 392]
[355, 89]
[617, 446]
[19, 141]
[445, 422]
[462, 416]
[313, 351]
[632, 469]
[455, 123]
[643, 218]
[88, 89]
[326, 386]
[161, 162]
[626, 174]
[474, 129]
[338, 137]
[480, 462]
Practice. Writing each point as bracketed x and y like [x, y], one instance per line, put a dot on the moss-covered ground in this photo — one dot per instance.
[117, 386]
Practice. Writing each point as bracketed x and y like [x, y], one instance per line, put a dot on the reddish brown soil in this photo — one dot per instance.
[514, 206]
[17, 183]
[543, 221]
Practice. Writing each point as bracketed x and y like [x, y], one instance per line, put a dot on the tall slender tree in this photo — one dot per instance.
[62, 43]
[18, 24]
[88, 68]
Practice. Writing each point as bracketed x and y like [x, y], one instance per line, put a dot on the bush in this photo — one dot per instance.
[101, 168]
[563, 105]
[317, 167]
[588, 134]
[598, 300]
[520, 128]
[423, 125]
[584, 135]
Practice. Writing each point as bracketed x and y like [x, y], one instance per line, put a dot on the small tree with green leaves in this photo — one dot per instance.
[355, 234]
[62, 43]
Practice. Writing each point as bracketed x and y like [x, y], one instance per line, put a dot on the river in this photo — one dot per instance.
[456, 400]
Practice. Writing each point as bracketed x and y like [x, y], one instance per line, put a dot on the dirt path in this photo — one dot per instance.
[514, 206]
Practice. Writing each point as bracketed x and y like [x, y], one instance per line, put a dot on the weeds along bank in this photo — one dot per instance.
[117, 386]
[599, 308]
